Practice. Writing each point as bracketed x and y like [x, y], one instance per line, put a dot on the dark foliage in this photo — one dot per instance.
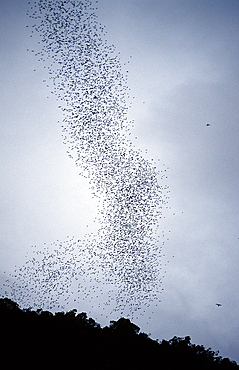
[42, 340]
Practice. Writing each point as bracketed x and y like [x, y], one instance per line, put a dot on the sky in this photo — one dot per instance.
[183, 74]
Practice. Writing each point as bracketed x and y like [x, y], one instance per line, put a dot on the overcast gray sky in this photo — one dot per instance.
[183, 74]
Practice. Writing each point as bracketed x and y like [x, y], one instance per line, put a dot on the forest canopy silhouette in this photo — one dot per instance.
[70, 340]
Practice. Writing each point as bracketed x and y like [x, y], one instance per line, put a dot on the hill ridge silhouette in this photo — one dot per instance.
[69, 340]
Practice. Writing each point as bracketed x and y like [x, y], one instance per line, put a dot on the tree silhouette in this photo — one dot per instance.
[43, 340]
